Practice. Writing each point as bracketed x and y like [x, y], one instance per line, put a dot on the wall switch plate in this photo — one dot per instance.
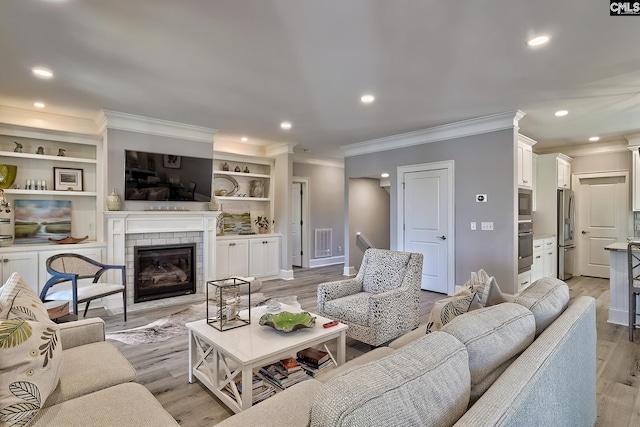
[486, 226]
[481, 198]
[473, 225]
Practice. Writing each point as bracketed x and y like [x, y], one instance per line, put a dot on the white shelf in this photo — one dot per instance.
[51, 193]
[47, 157]
[242, 199]
[252, 175]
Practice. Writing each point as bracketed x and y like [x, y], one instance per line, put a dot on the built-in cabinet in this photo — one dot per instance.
[544, 258]
[635, 180]
[255, 255]
[563, 172]
[525, 162]
[524, 280]
[23, 263]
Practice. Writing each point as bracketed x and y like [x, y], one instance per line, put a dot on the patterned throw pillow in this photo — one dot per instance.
[446, 309]
[475, 284]
[30, 353]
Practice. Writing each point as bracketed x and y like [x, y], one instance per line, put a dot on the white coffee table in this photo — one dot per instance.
[215, 357]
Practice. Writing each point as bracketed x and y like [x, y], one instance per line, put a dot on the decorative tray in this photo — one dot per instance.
[69, 240]
[287, 322]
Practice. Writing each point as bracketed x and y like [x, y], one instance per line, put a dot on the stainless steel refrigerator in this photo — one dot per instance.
[566, 231]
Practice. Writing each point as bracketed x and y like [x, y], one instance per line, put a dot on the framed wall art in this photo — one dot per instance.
[171, 162]
[65, 179]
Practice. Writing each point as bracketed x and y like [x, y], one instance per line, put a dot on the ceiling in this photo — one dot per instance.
[242, 67]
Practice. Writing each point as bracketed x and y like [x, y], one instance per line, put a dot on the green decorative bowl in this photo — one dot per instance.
[7, 175]
[287, 322]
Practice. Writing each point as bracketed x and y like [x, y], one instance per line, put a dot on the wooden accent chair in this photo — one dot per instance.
[71, 267]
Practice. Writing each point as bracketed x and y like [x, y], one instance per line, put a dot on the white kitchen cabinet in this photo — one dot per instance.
[264, 256]
[635, 180]
[563, 170]
[232, 258]
[24, 263]
[525, 162]
[549, 257]
[524, 280]
[537, 268]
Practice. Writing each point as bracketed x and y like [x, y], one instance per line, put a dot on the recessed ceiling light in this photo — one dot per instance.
[384, 175]
[561, 113]
[367, 99]
[244, 139]
[538, 40]
[42, 72]
[285, 125]
[594, 138]
[38, 104]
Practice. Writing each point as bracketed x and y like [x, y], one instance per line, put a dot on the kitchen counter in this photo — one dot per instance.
[537, 236]
[618, 283]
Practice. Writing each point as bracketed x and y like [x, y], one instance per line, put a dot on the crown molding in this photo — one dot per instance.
[527, 140]
[235, 147]
[633, 140]
[129, 122]
[274, 150]
[491, 123]
[318, 161]
[48, 121]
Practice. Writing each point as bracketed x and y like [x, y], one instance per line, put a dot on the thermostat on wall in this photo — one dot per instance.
[481, 197]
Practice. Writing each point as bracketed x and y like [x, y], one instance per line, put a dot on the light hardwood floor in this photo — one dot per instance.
[162, 367]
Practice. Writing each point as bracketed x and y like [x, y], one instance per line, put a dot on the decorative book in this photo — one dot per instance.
[313, 356]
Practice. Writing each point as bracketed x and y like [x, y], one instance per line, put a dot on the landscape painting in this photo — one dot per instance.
[237, 218]
[38, 220]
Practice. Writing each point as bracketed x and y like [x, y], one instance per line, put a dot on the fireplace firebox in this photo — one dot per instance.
[163, 271]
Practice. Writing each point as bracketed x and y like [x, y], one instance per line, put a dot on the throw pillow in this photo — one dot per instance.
[475, 284]
[447, 309]
[494, 295]
[30, 354]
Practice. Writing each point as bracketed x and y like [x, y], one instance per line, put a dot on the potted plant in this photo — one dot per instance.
[262, 222]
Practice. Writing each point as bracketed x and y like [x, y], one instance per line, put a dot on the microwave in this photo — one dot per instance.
[525, 204]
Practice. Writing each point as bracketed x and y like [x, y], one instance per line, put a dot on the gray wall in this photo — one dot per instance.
[326, 201]
[369, 213]
[483, 164]
[602, 162]
[119, 140]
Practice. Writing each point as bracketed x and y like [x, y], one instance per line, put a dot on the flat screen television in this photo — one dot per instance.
[167, 177]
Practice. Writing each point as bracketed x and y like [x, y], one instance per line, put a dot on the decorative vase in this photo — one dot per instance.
[7, 175]
[263, 230]
[114, 203]
[214, 204]
[256, 189]
[225, 166]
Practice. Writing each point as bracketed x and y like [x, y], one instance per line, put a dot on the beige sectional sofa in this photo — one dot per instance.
[530, 362]
[97, 385]
[65, 375]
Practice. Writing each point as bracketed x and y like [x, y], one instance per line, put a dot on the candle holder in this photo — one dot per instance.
[223, 304]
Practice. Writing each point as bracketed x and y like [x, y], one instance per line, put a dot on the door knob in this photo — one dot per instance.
[441, 237]
[585, 232]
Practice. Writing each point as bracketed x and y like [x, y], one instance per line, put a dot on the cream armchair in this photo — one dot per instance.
[381, 302]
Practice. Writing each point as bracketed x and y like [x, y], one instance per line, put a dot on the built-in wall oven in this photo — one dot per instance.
[525, 204]
[525, 245]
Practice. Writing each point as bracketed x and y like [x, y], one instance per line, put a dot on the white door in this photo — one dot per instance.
[296, 224]
[426, 224]
[602, 203]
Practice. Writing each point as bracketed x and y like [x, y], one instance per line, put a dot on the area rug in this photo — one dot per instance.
[174, 325]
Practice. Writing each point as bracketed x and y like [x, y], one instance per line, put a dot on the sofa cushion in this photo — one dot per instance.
[492, 335]
[404, 388]
[122, 405]
[86, 371]
[370, 356]
[547, 298]
[385, 270]
[30, 353]
[446, 309]
[351, 308]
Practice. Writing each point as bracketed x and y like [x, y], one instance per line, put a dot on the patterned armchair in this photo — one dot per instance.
[381, 302]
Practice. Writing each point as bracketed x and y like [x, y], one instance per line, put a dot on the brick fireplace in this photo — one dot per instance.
[128, 229]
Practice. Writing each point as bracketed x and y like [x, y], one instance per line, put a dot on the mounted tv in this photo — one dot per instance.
[167, 177]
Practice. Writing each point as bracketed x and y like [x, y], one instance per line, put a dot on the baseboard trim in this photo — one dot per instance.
[321, 262]
[286, 274]
[349, 271]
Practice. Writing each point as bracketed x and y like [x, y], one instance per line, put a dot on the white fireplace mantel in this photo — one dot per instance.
[121, 223]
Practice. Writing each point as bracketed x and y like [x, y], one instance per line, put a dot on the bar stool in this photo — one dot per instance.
[633, 260]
